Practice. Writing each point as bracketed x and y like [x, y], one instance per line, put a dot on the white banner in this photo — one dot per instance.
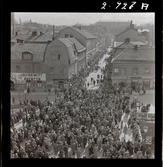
[21, 77]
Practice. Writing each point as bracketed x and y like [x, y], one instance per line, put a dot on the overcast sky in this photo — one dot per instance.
[85, 18]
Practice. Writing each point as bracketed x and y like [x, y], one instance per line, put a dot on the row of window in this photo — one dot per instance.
[122, 71]
[38, 69]
[56, 57]
[53, 70]
[39, 83]
[69, 36]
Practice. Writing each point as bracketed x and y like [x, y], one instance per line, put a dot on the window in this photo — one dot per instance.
[61, 71]
[59, 57]
[66, 35]
[71, 36]
[27, 56]
[146, 70]
[39, 84]
[53, 55]
[27, 69]
[28, 82]
[38, 69]
[18, 69]
[52, 70]
[123, 71]
[135, 71]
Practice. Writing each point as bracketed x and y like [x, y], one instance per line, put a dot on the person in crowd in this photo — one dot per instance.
[79, 122]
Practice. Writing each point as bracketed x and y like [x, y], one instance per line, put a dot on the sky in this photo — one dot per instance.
[84, 18]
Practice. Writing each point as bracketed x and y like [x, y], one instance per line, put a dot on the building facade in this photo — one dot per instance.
[27, 66]
[84, 37]
[61, 62]
[134, 67]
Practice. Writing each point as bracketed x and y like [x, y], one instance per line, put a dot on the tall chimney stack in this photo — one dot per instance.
[53, 33]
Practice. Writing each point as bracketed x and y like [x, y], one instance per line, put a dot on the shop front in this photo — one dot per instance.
[29, 80]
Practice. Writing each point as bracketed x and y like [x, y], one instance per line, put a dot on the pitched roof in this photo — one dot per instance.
[20, 36]
[38, 51]
[79, 47]
[118, 44]
[146, 54]
[83, 32]
[125, 31]
[70, 48]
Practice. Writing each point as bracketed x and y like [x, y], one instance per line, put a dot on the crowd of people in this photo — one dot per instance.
[78, 123]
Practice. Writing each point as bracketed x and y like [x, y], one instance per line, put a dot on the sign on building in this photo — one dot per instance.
[22, 77]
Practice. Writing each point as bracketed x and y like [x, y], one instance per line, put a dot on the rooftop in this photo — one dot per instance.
[37, 50]
[117, 44]
[78, 45]
[70, 48]
[20, 36]
[127, 29]
[147, 54]
[83, 32]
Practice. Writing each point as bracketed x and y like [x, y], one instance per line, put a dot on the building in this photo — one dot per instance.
[62, 58]
[28, 66]
[84, 37]
[134, 65]
[132, 33]
[113, 27]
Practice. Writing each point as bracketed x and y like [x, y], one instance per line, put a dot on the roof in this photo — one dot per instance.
[117, 44]
[20, 36]
[147, 54]
[38, 51]
[70, 48]
[125, 31]
[45, 37]
[79, 47]
[82, 32]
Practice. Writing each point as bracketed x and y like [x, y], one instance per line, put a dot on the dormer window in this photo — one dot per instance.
[27, 56]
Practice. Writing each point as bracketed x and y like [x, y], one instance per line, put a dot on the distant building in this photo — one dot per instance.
[132, 33]
[85, 38]
[134, 65]
[113, 27]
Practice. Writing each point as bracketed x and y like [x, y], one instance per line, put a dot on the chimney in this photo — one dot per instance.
[53, 33]
[131, 25]
[16, 33]
[127, 40]
[135, 47]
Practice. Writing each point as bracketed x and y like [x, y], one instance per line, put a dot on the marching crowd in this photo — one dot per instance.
[79, 123]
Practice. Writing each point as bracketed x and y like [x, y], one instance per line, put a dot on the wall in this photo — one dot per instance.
[141, 65]
[132, 34]
[54, 48]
